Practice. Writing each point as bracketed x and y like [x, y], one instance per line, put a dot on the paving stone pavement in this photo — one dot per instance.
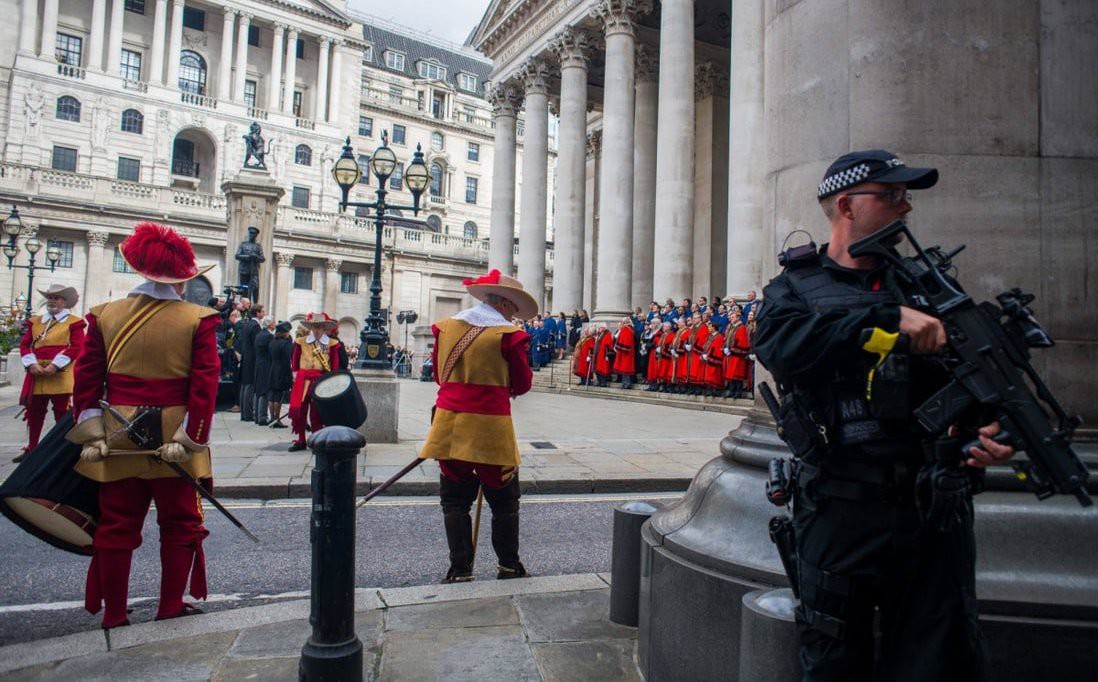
[552, 629]
[569, 444]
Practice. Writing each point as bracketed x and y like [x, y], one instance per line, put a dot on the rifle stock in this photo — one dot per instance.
[988, 357]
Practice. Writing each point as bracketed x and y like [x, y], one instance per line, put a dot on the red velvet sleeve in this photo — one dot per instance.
[434, 353]
[25, 341]
[515, 349]
[76, 340]
[90, 371]
[333, 356]
[295, 357]
[205, 370]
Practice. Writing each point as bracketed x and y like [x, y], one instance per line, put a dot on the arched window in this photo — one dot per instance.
[437, 141]
[192, 72]
[133, 121]
[434, 223]
[470, 229]
[68, 109]
[436, 179]
[303, 155]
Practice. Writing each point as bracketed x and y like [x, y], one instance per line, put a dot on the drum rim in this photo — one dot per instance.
[37, 532]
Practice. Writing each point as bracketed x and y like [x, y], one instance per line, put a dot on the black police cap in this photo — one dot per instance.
[872, 165]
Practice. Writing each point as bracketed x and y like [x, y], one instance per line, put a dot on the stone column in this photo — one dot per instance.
[114, 41]
[506, 100]
[284, 273]
[746, 149]
[337, 74]
[535, 178]
[48, 44]
[156, 54]
[28, 24]
[274, 82]
[175, 45]
[320, 94]
[291, 71]
[644, 173]
[710, 179]
[571, 47]
[95, 35]
[615, 267]
[93, 293]
[672, 272]
[592, 173]
[225, 67]
[331, 285]
[241, 56]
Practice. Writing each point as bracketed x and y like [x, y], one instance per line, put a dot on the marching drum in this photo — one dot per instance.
[338, 400]
[47, 498]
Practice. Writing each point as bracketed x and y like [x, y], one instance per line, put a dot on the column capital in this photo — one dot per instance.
[572, 47]
[284, 260]
[505, 99]
[710, 80]
[594, 142]
[333, 264]
[279, 29]
[177, 3]
[617, 16]
[293, 31]
[97, 238]
[325, 41]
[647, 67]
[230, 12]
[535, 73]
[245, 17]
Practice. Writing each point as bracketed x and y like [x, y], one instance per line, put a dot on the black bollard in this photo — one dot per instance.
[333, 651]
[769, 644]
[625, 561]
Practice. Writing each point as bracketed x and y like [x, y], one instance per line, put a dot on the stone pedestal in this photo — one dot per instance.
[253, 198]
[16, 370]
[381, 391]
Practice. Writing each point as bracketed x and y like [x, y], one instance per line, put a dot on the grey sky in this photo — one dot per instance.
[451, 20]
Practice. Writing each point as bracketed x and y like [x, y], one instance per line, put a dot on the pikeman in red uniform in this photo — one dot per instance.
[315, 354]
[697, 365]
[583, 356]
[153, 357]
[713, 357]
[604, 351]
[625, 352]
[49, 345]
[737, 346]
[684, 342]
[669, 366]
[656, 359]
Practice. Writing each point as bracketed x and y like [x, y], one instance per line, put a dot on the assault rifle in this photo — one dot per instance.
[988, 357]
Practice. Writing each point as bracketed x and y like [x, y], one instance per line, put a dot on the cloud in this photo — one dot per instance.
[451, 20]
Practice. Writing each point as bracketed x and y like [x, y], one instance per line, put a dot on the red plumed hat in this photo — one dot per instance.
[160, 254]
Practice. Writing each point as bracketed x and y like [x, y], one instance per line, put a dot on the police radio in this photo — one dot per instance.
[789, 257]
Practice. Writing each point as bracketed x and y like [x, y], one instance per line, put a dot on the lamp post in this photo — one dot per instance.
[346, 172]
[13, 227]
[407, 318]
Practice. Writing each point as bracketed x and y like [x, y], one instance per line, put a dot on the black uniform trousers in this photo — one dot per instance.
[859, 556]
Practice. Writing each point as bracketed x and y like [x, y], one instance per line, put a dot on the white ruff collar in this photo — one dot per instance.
[158, 290]
[312, 339]
[483, 315]
[59, 317]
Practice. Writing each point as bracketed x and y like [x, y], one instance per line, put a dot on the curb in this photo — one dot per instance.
[739, 407]
[295, 488]
[26, 654]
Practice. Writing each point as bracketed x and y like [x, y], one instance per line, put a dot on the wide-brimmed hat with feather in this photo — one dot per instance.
[507, 287]
[160, 254]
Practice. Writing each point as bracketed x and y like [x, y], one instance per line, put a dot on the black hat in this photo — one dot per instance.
[283, 327]
[872, 165]
[253, 228]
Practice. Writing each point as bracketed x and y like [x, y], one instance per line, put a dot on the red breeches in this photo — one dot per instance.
[492, 476]
[123, 506]
[298, 417]
[36, 414]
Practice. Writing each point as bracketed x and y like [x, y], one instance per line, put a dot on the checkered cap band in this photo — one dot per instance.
[843, 179]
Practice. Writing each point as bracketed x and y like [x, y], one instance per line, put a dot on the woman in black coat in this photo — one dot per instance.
[281, 377]
[262, 371]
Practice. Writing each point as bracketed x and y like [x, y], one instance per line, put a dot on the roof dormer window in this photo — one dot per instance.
[467, 82]
[394, 60]
[431, 70]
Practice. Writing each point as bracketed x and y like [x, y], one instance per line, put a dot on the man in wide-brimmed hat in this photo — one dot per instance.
[154, 356]
[50, 343]
[315, 354]
[480, 363]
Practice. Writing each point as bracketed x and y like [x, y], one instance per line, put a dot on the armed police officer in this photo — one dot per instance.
[865, 538]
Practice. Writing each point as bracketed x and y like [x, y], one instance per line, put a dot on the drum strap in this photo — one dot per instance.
[143, 315]
[46, 330]
[457, 351]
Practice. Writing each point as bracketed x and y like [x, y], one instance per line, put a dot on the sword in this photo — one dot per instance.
[180, 471]
[392, 479]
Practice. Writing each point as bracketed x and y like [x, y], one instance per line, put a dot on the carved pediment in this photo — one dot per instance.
[316, 9]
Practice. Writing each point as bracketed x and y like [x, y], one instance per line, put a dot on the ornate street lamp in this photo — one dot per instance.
[13, 227]
[347, 173]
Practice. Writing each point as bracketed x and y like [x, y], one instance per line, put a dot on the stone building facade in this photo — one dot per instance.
[115, 111]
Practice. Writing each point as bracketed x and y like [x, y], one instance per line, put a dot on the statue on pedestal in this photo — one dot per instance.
[254, 148]
[250, 254]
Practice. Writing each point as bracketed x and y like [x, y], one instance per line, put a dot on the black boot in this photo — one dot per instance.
[456, 499]
[505, 528]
